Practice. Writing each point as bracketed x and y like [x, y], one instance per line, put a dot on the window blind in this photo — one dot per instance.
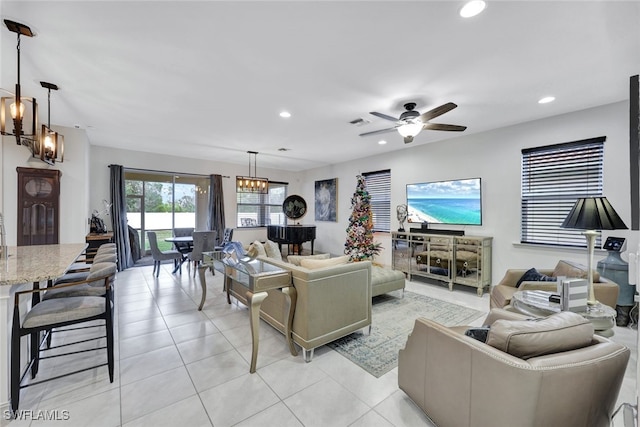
[553, 178]
[379, 188]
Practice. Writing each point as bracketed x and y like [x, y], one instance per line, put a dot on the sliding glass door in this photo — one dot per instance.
[160, 202]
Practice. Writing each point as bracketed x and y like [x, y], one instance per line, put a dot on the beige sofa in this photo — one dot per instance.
[332, 302]
[605, 290]
[459, 381]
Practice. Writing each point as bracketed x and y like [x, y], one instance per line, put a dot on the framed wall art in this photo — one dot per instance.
[326, 194]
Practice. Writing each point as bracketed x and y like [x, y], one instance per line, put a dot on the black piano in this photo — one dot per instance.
[292, 235]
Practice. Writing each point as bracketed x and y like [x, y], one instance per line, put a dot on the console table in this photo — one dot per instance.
[249, 282]
[454, 259]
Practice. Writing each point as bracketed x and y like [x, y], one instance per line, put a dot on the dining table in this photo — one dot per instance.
[183, 244]
[27, 267]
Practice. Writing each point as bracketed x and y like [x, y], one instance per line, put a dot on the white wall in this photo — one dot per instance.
[74, 184]
[102, 157]
[495, 157]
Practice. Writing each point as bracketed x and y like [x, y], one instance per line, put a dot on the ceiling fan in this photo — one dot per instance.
[411, 122]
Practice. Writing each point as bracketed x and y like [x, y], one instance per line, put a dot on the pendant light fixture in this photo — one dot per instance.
[50, 146]
[23, 110]
[252, 184]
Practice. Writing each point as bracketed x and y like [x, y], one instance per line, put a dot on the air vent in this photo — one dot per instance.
[360, 122]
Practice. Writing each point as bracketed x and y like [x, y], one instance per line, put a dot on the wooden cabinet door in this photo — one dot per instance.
[38, 206]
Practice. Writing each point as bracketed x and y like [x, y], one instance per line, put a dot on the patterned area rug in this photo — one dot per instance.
[393, 320]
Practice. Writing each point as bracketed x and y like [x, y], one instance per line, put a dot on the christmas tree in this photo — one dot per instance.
[359, 245]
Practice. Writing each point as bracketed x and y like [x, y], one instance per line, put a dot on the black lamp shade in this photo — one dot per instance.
[593, 213]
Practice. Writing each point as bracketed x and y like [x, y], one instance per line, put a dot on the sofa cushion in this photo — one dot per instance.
[313, 264]
[533, 275]
[381, 275]
[295, 259]
[573, 269]
[272, 250]
[531, 338]
[256, 249]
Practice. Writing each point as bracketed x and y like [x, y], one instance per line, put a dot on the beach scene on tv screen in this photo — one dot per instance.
[445, 202]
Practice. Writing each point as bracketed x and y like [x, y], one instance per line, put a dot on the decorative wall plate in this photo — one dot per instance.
[294, 207]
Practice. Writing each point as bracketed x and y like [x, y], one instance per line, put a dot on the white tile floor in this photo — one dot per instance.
[176, 366]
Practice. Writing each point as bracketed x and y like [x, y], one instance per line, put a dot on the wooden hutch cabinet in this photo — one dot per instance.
[38, 206]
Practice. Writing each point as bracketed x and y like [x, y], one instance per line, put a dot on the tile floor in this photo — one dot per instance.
[176, 366]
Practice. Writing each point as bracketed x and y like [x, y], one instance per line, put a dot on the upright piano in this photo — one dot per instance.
[292, 235]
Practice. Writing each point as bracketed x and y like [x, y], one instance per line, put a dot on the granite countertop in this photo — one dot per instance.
[38, 263]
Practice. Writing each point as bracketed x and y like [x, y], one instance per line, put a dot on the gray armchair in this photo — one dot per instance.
[459, 381]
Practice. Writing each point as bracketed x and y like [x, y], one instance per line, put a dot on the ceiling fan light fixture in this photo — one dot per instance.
[410, 129]
[472, 8]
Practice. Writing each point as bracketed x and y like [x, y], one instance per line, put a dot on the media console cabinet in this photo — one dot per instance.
[454, 259]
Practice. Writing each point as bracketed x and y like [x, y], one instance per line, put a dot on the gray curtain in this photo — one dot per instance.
[216, 205]
[119, 217]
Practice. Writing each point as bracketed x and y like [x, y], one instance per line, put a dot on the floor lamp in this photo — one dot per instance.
[591, 214]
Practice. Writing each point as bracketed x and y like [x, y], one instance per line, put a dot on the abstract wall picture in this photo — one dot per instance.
[326, 192]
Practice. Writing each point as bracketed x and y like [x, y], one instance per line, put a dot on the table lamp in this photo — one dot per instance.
[591, 214]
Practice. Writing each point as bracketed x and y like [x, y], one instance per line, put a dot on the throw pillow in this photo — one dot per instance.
[525, 339]
[313, 264]
[533, 275]
[256, 249]
[272, 249]
[295, 259]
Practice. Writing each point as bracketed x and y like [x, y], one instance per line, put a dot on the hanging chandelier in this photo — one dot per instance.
[251, 183]
[50, 146]
[23, 110]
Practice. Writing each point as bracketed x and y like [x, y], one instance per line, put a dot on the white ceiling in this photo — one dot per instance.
[208, 79]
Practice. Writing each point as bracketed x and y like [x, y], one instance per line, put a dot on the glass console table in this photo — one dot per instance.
[248, 282]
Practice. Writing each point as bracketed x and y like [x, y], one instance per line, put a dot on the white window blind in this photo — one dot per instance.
[379, 188]
[553, 178]
[259, 210]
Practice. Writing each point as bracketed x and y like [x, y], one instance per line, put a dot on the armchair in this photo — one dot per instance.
[460, 381]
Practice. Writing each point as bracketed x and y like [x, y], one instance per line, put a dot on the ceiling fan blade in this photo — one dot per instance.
[408, 139]
[438, 111]
[379, 131]
[442, 126]
[383, 116]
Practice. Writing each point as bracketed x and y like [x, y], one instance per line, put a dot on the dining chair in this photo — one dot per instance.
[159, 256]
[59, 313]
[183, 248]
[226, 238]
[203, 241]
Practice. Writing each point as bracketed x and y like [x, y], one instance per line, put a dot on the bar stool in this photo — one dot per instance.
[58, 313]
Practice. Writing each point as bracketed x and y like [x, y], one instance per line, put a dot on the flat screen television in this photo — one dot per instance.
[456, 202]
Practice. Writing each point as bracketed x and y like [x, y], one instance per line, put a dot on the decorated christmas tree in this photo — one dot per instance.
[359, 245]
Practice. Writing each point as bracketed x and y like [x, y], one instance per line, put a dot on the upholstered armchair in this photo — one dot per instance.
[518, 380]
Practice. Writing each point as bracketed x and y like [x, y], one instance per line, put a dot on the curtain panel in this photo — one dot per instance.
[216, 220]
[119, 217]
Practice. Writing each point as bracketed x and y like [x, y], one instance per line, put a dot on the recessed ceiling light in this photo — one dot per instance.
[285, 114]
[546, 99]
[382, 142]
[472, 8]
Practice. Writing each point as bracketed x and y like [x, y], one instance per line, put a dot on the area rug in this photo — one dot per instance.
[393, 320]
